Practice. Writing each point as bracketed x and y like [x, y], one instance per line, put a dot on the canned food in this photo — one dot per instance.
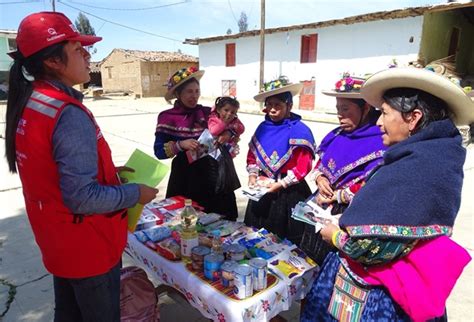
[227, 273]
[197, 257]
[225, 248]
[236, 252]
[212, 265]
[243, 286]
[259, 267]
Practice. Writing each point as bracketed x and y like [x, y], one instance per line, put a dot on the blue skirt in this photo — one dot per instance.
[379, 305]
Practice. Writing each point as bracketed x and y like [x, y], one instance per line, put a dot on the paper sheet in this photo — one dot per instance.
[309, 212]
[149, 171]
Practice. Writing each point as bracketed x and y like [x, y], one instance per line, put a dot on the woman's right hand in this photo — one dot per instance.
[324, 187]
[189, 144]
[323, 201]
[147, 194]
[327, 231]
[252, 181]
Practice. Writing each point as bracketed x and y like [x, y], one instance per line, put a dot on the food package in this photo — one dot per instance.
[157, 233]
[169, 249]
[150, 217]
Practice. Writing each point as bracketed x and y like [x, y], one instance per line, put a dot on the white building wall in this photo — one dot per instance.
[361, 48]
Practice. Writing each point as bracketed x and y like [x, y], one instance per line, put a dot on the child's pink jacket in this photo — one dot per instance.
[216, 126]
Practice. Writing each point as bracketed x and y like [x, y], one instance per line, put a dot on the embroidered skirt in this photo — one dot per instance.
[197, 181]
[332, 291]
[273, 212]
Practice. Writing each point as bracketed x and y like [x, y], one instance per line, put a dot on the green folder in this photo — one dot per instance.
[149, 171]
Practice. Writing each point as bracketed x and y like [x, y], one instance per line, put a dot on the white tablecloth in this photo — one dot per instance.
[211, 303]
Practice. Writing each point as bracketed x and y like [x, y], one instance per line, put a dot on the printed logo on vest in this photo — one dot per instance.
[21, 126]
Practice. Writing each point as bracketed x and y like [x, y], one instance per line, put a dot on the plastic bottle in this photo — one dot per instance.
[216, 242]
[189, 235]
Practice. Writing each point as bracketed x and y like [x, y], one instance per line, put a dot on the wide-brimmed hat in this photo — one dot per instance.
[347, 87]
[460, 105]
[276, 87]
[43, 29]
[179, 77]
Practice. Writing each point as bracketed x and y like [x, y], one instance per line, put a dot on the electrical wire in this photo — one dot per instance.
[250, 11]
[125, 9]
[231, 10]
[119, 24]
[103, 24]
[18, 2]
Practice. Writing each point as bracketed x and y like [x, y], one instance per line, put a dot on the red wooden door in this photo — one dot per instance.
[307, 96]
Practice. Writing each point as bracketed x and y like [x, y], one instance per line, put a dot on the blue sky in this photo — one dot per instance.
[176, 20]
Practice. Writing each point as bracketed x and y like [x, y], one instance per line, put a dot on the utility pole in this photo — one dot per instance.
[262, 43]
[54, 5]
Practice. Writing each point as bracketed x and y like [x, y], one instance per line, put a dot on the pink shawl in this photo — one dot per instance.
[421, 281]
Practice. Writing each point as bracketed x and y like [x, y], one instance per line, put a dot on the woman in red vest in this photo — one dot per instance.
[74, 200]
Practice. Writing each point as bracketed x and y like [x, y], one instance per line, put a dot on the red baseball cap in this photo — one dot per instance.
[43, 29]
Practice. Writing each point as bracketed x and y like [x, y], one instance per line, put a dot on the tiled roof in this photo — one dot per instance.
[373, 16]
[8, 31]
[158, 56]
[95, 66]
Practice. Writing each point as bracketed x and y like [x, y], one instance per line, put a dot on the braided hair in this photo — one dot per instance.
[405, 100]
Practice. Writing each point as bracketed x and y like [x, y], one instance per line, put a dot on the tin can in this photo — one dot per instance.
[259, 267]
[212, 266]
[225, 249]
[236, 252]
[227, 273]
[243, 286]
[197, 257]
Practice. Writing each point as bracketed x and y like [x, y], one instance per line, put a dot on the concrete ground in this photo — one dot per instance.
[26, 292]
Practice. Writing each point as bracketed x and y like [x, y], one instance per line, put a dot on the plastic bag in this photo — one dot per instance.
[227, 178]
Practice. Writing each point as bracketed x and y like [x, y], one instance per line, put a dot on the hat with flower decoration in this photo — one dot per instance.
[179, 78]
[278, 86]
[347, 87]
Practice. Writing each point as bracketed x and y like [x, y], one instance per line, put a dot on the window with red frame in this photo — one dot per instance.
[229, 88]
[230, 55]
[309, 47]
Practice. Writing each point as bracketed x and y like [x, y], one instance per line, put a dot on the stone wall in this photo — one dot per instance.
[155, 75]
[121, 74]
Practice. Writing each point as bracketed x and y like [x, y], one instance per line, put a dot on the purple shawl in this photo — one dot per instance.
[273, 143]
[348, 157]
[182, 121]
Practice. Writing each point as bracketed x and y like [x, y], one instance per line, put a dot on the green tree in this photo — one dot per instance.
[84, 26]
[229, 31]
[243, 22]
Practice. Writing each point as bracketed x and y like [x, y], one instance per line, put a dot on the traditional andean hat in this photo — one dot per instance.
[347, 87]
[460, 105]
[278, 86]
[179, 77]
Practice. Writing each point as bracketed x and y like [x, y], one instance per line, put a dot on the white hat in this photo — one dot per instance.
[278, 86]
[459, 103]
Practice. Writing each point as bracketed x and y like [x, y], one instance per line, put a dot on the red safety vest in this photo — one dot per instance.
[71, 248]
